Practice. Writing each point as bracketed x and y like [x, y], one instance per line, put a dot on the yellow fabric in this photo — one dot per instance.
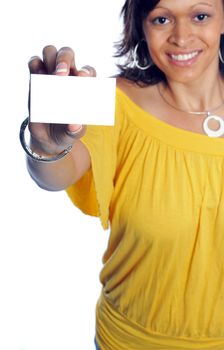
[92, 194]
[162, 190]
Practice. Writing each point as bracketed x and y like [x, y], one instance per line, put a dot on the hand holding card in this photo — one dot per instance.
[64, 99]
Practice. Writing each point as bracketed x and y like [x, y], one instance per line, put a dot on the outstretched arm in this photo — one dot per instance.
[51, 139]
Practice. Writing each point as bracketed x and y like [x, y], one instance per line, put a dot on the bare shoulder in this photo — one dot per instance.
[125, 85]
[144, 96]
[130, 88]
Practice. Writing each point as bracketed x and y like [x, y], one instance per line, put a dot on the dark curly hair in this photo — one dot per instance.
[134, 12]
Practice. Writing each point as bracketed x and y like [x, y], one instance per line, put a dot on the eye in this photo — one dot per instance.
[161, 20]
[201, 17]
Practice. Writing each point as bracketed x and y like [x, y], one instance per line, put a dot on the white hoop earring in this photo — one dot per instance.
[136, 61]
[220, 56]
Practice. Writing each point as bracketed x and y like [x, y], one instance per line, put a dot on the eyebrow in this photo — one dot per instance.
[199, 3]
[203, 3]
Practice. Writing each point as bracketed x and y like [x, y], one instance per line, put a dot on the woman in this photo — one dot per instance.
[156, 177]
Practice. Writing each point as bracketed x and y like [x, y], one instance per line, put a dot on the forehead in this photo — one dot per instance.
[188, 3]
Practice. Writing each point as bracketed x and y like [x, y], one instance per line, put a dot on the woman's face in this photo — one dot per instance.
[184, 36]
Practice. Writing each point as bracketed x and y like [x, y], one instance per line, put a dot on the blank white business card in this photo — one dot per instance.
[72, 100]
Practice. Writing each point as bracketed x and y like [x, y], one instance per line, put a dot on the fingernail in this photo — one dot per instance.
[62, 67]
[33, 58]
[86, 69]
[78, 129]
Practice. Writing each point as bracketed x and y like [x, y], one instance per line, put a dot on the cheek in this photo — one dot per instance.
[154, 41]
[212, 37]
[217, 28]
[157, 45]
[222, 28]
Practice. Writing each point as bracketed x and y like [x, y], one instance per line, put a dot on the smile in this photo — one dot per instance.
[184, 57]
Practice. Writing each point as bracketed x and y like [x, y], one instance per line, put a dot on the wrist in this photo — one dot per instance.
[43, 148]
[40, 152]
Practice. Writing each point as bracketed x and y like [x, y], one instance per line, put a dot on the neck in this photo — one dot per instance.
[195, 96]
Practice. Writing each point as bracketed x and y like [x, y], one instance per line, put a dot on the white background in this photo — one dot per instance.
[50, 253]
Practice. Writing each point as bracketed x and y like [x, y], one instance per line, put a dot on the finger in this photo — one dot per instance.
[74, 128]
[49, 58]
[36, 65]
[65, 62]
[87, 71]
[62, 136]
[75, 131]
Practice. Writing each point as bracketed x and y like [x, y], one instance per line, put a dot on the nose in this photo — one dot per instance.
[181, 34]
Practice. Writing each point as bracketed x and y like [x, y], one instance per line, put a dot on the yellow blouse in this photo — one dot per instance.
[162, 191]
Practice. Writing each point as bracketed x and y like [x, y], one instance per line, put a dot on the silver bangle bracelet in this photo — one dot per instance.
[35, 156]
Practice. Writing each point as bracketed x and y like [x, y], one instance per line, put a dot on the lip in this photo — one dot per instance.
[184, 58]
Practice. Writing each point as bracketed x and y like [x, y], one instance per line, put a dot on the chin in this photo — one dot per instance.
[186, 77]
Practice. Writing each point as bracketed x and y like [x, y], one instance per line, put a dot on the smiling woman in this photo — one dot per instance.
[155, 178]
[184, 36]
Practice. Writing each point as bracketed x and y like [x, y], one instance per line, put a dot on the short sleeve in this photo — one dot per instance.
[93, 192]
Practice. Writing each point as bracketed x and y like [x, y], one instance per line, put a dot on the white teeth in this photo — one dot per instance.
[184, 57]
